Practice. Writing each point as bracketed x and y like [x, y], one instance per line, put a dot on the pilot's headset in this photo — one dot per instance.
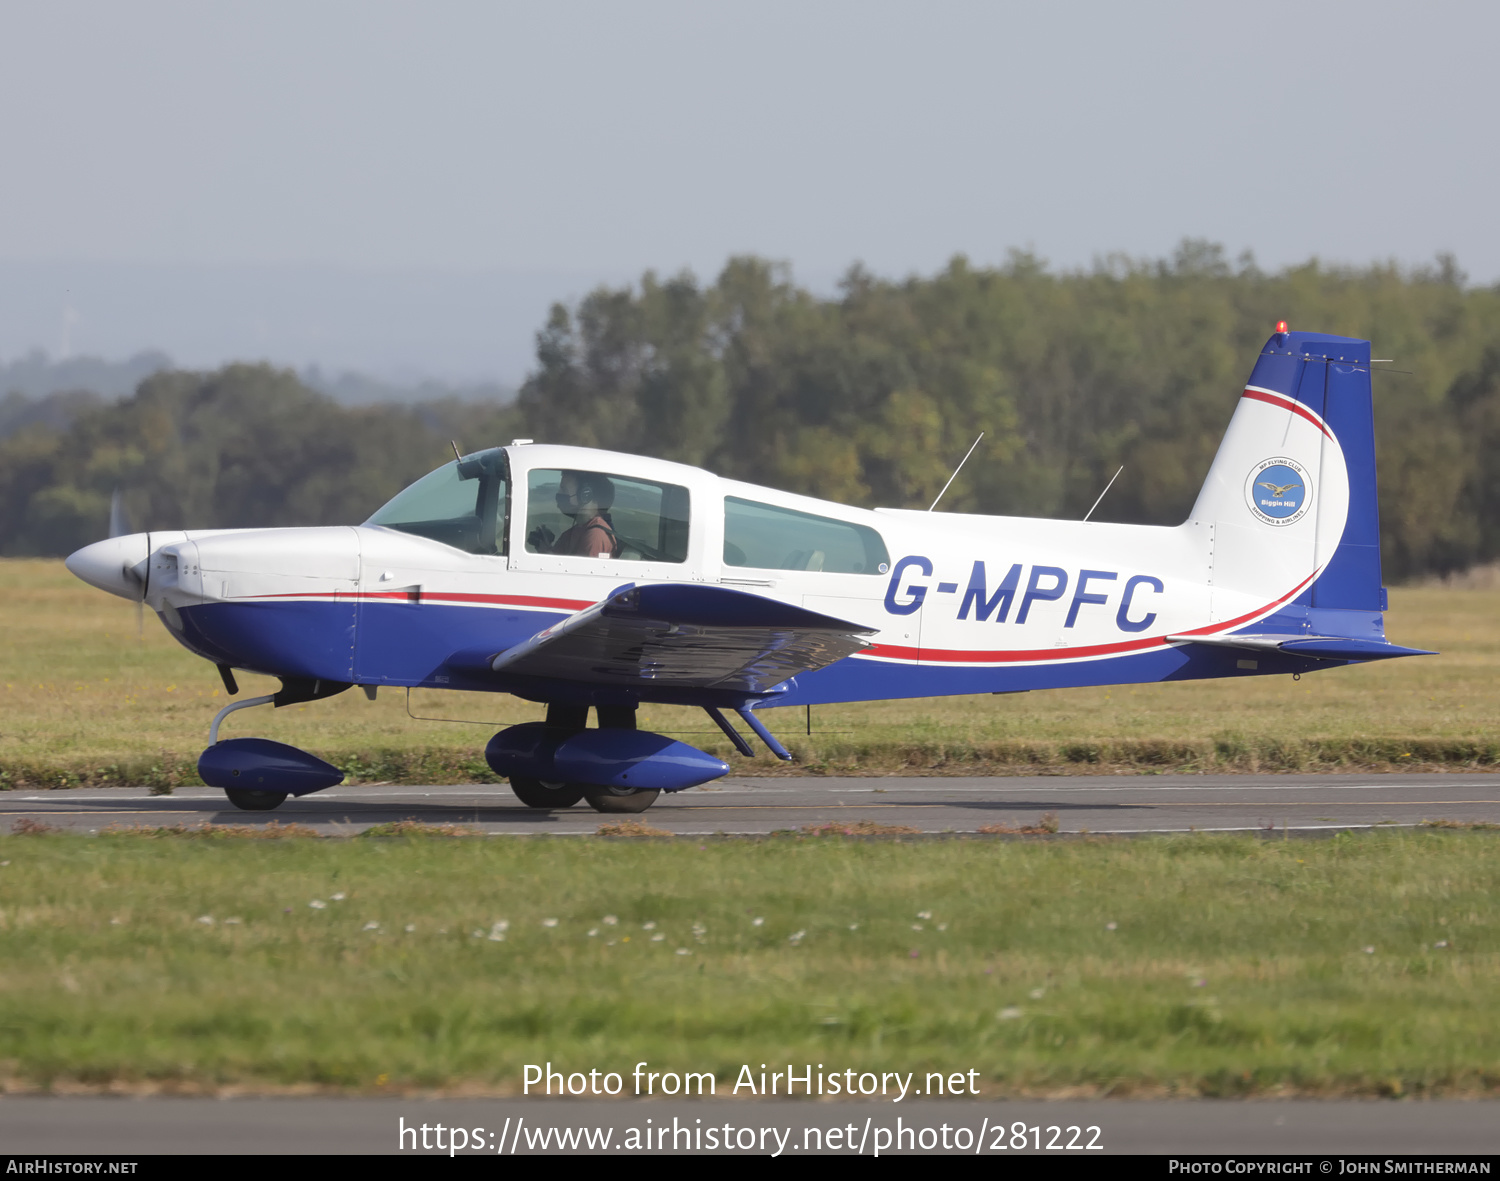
[593, 487]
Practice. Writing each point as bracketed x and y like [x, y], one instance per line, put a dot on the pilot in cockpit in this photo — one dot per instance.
[587, 497]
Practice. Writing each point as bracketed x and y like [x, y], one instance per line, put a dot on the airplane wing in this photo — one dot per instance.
[1319, 647]
[681, 635]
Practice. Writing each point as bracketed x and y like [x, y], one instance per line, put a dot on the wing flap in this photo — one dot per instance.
[685, 635]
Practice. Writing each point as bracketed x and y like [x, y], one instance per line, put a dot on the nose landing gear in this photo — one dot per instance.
[257, 774]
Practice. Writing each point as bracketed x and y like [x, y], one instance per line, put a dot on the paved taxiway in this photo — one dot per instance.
[1306, 804]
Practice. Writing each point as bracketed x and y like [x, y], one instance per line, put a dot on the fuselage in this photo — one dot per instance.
[465, 560]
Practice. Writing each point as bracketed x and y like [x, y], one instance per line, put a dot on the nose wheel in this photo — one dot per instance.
[612, 799]
[255, 801]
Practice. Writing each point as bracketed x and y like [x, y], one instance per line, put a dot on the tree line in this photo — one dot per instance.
[868, 396]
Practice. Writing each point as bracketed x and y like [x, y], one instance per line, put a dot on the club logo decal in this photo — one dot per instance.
[1279, 491]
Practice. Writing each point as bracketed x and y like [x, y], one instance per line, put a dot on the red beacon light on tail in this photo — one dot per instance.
[1281, 327]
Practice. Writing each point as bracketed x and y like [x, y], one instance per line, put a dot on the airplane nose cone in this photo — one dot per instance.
[109, 564]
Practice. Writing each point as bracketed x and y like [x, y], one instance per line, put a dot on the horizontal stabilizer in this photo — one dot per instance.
[689, 636]
[1318, 647]
[1335, 648]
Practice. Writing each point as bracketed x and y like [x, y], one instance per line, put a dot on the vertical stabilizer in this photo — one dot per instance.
[1290, 497]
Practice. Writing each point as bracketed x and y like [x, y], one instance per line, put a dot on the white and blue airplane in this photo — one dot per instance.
[583, 579]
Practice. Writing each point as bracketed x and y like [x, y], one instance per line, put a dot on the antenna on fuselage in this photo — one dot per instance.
[956, 470]
[454, 444]
[1107, 487]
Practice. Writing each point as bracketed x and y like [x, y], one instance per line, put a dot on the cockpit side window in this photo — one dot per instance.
[464, 504]
[586, 514]
[769, 537]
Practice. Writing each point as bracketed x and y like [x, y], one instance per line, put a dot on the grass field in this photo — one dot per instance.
[198, 962]
[88, 701]
[1180, 966]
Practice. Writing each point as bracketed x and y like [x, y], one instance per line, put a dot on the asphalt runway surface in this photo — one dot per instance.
[1309, 1129]
[1121, 804]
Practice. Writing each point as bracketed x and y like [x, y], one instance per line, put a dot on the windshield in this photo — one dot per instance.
[464, 504]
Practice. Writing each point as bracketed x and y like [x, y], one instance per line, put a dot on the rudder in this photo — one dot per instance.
[1290, 498]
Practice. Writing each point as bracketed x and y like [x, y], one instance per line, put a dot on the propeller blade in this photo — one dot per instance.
[119, 521]
[139, 574]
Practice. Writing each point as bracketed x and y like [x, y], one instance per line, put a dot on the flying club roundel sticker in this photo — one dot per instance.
[1279, 491]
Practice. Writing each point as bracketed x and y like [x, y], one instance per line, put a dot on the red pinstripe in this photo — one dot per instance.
[438, 597]
[1053, 655]
[1288, 404]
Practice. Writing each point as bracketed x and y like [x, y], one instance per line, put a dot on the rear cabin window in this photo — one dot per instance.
[463, 504]
[605, 515]
[772, 538]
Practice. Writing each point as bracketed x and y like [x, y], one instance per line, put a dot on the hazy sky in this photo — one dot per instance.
[237, 179]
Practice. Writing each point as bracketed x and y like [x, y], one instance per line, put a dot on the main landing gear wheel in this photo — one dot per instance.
[535, 793]
[613, 799]
[255, 801]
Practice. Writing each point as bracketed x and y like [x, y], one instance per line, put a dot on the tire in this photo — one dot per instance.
[255, 801]
[536, 794]
[604, 799]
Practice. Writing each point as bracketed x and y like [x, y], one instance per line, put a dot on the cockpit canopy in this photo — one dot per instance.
[464, 504]
[605, 513]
